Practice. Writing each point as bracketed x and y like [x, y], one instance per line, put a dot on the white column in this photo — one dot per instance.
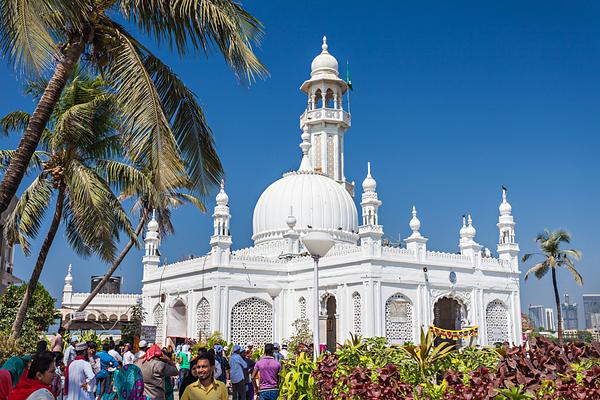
[341, 313]
[225, 315]
[191, 312]
[324, 166]
[378, 309]
[369, 305]
[482, 340]
[215, 307]
[518, 325]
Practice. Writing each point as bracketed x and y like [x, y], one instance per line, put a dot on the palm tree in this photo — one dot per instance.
[161, 118]
[81, 143]
[553, 258]
[163, 204]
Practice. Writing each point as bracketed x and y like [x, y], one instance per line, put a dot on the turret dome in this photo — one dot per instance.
[324, 63]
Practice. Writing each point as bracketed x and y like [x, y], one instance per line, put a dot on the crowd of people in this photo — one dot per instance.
[83, 371]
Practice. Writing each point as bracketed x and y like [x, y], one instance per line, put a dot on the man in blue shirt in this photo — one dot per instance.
[107, 365]
[236, 373]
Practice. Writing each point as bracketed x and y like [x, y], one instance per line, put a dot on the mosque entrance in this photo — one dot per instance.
[331, 308]
[447, 315]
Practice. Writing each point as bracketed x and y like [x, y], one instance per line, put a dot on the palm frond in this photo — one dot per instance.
[36, 161]
[127, 178]
[189, 198]
[25, 39]
[539, 270]
[202, 25]
[572, 253]
[147, 134]
[15, 121]
[576, 275]
[26, 218]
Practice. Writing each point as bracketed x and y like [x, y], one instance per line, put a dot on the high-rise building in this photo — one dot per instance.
[536, 315]
[591, 310]
[113, 286]
[549, 322]
[569, 314]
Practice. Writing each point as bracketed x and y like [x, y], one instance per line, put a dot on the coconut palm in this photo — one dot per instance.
[162, 204]
[554, 257]
[162, 120]
[79, 160]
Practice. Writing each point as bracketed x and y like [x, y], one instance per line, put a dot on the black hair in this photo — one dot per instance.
[61, 330]
[111, 345]
[80, 352]
[41, 346]
[92, 345]
[105, 347]
[41, 362]
[206, 356]
[58, 357]
[269, 349]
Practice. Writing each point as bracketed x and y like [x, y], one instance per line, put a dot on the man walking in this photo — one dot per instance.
[70, 351]
[268, 368]
[79, 379]
[224, 377]
[57, 341]
[236, 373]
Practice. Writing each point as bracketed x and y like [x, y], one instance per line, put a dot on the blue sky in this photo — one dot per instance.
[451, 101]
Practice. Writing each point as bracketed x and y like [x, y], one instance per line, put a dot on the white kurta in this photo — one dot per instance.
[80, 372]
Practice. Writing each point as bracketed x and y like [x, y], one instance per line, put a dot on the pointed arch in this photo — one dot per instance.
[252, 321]
[399, 325]
[496, 322]
[357, 313]
[203, 327]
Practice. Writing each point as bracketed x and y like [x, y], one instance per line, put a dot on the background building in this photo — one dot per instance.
[6, 253]
[536, 315]
[591, 310]
[113, 286]
[549, 322]
[569, 314]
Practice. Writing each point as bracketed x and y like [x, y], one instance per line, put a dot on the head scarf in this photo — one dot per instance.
[16, 367]
[129, 383]
[153, 351]
[25, 388]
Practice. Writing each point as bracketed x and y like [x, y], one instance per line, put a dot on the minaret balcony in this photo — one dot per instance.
[331, 115]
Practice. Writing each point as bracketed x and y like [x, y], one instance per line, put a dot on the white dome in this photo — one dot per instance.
[324, 63]
[505, 208]
[317, 201]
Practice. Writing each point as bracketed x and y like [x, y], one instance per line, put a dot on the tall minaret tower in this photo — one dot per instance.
[508, 248]
[370, 232]
[151, 244]
[325, 118]
[220, 241]
[68, 288]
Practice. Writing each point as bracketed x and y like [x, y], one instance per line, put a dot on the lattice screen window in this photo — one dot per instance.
[203, 319]
[159, 322]
[252, 321]
[399, 319]
[302, 303]
[357, 313]
[496, 322]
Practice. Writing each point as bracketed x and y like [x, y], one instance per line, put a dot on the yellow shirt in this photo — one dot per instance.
[216, 391]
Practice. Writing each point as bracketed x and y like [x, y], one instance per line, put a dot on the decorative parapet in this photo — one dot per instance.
[342, 250]
[492, 262]
[107, 298]
[325, 114]
[397, 251]
[444, 257]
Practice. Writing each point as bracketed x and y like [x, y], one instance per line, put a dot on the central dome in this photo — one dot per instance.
[315, 200]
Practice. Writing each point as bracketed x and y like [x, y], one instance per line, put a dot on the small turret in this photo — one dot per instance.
[416, 242]
[151, 257]
[468, 245]
[220, 241]
[508, 248]
[370, 232]
[68, 288]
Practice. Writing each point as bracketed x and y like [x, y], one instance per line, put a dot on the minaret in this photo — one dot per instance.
[220, 241]
[468, 245]
[68, 288]
[370, 232]
[416, 242]
[508, 248]
[325, 118]
[151, 244]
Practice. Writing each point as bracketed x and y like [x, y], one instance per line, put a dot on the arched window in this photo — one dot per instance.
[203, 319]
[157, 316]
[302, 305]
[252, 321]
[399, 319]
[356, 308]
[496, 322]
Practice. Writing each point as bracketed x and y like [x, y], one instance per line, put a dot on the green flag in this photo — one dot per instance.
[348, 80]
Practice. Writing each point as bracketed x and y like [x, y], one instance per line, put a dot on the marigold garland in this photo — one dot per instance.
[455, 334]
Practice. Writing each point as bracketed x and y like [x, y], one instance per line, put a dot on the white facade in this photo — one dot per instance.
[549, 319]
[368, 288]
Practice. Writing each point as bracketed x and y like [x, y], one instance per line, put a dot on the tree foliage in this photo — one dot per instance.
[40, 313]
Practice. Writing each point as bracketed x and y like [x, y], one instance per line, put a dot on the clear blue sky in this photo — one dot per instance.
[451, 101]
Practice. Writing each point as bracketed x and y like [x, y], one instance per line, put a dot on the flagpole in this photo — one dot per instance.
[348, 83]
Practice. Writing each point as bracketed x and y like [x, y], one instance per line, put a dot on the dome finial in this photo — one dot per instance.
[153, 224]
[369, 184]
[505, 207]
[222, 198]
[415, 224]
[471, 231]
[324, 45]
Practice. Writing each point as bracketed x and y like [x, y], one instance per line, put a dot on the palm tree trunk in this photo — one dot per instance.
[39, 264]
[31, 137]
[115, 264]
[558, 311]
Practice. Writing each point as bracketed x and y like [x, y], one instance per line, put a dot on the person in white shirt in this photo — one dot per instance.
[70, 351]
[128, 356]
[81, 381]
[114, 353]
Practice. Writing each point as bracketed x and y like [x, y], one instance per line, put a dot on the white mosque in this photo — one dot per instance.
[366, 286]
